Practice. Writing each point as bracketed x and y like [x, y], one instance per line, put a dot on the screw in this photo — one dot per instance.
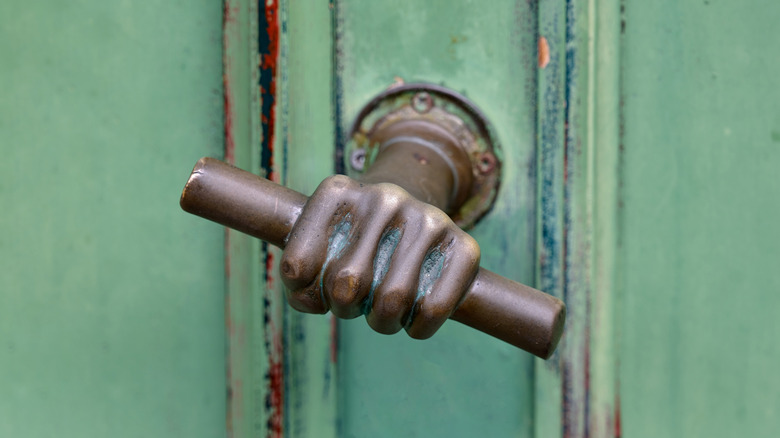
[358, 159]
[422, 102]
[487, 162]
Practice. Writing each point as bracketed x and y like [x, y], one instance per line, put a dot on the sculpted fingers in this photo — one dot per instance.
[443, 283]
[347, 280]
[322, 232]
[393, 298]
[373, 249]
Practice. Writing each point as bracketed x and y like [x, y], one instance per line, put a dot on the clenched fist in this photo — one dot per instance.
[375, 250]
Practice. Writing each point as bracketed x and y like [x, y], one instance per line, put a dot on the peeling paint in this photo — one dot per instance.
[269, 57]
[275, 397]
[544, 52]
[268, 44]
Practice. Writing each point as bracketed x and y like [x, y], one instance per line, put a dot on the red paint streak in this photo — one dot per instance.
[269, 270]
[273, 335]
[230, 144]
[269, 60]
[229, 14]
[618, 425]
[228, 21]
[268, 65]
[276, 392]
[273, 339]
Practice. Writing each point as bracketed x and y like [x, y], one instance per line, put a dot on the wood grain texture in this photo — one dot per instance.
[579, 169]
[111, 298]
[253, 309]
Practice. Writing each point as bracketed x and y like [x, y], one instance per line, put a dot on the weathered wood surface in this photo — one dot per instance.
[111, 298]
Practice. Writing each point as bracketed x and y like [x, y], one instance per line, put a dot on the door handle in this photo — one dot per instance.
[389, 244]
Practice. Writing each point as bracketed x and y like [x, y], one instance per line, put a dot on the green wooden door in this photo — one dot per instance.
[640, 141]
[111, 299]
[701, 206]
[311, 66]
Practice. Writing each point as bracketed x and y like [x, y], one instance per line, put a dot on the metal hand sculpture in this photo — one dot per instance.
[373, 249]
[386, 246]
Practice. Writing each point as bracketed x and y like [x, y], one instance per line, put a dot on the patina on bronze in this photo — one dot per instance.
[433, 156]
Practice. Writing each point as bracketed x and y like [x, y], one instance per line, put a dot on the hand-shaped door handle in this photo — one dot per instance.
[369, 247]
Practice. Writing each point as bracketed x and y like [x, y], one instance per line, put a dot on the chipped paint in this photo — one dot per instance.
[544, 52]
[274, 346]
[268, 47]
[269, 59]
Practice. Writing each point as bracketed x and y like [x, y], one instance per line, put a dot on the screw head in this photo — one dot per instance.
[357, 159]
[422, 102]
[487, 162]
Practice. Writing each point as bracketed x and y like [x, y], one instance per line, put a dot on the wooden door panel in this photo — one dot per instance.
[111, 299]
[701, 202]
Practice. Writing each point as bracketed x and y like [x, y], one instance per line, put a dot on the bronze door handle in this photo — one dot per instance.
[423, 153]
[510, 311]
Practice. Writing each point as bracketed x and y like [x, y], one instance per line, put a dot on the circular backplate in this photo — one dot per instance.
[447, 109]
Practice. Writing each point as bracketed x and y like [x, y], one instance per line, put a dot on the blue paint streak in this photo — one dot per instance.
[430, 271]
[387, 245]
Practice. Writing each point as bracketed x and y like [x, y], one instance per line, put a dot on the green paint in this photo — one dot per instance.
[699, 241]
[111, 298]
[304, 154]
[479, 386]
[254, 311]
[666, 250]
[384, 253]
[549, 208]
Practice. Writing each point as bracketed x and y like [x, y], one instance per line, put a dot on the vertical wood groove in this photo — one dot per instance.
[578, 175]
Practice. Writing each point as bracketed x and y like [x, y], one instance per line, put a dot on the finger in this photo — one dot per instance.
[322, 231]
[347, 280]
[308, 299]
[394, 297]
[439, 297]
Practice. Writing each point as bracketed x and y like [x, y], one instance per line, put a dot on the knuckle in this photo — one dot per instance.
[306, 300]
[390, 196]
[436, 312]
[345, 290]
[388, 306]
[394, 190]
[334, 183]
[435, 220]
[291, 267]
[468, 247]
